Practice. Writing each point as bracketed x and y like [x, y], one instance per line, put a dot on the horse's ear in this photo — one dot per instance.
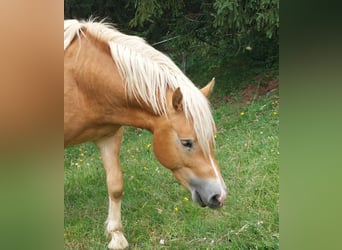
[177, 99]
[206, 91]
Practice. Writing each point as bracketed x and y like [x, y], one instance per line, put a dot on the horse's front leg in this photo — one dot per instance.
[110, 148]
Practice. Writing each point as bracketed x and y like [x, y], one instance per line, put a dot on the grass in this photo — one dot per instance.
[158, 213]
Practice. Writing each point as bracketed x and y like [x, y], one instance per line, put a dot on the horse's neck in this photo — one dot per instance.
[103, 88]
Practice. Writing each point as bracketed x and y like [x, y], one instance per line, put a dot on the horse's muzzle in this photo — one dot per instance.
[208, 193]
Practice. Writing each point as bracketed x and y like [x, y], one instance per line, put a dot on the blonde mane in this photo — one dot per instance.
[148, 74]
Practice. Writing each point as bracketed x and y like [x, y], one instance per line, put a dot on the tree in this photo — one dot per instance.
[218, 27]
[211, 33]
[117, 12]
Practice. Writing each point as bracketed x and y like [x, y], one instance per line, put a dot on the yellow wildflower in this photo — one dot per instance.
[148, 145]
[275, 113]
[176, 209]
[242, 113]
[186, 199]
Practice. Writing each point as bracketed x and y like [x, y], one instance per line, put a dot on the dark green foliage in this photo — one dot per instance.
[212, 37]
[117, 12]
[242, 17]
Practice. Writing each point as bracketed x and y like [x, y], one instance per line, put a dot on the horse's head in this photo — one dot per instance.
[176, 146]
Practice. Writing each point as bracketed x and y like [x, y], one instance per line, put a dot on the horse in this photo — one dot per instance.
[113, 80]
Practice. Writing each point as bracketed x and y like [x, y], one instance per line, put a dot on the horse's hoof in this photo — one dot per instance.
[118, 241]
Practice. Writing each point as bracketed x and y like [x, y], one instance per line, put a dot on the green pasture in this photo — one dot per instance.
[158, 213]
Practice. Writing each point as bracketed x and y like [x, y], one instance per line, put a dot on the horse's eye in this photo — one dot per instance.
[187, 143]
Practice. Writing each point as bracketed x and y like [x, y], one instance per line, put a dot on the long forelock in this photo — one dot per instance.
[156, 73]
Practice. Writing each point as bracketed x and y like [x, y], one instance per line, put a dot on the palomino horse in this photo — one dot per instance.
[112, 79]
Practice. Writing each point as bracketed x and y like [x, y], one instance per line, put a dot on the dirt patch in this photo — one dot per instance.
[251, 92]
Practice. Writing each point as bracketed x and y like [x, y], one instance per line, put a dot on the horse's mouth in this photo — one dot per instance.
[208, 193]
[198, 199]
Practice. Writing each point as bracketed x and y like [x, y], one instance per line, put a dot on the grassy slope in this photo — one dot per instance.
[156, 208]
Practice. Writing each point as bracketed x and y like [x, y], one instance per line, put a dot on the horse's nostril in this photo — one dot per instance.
[214, 201]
